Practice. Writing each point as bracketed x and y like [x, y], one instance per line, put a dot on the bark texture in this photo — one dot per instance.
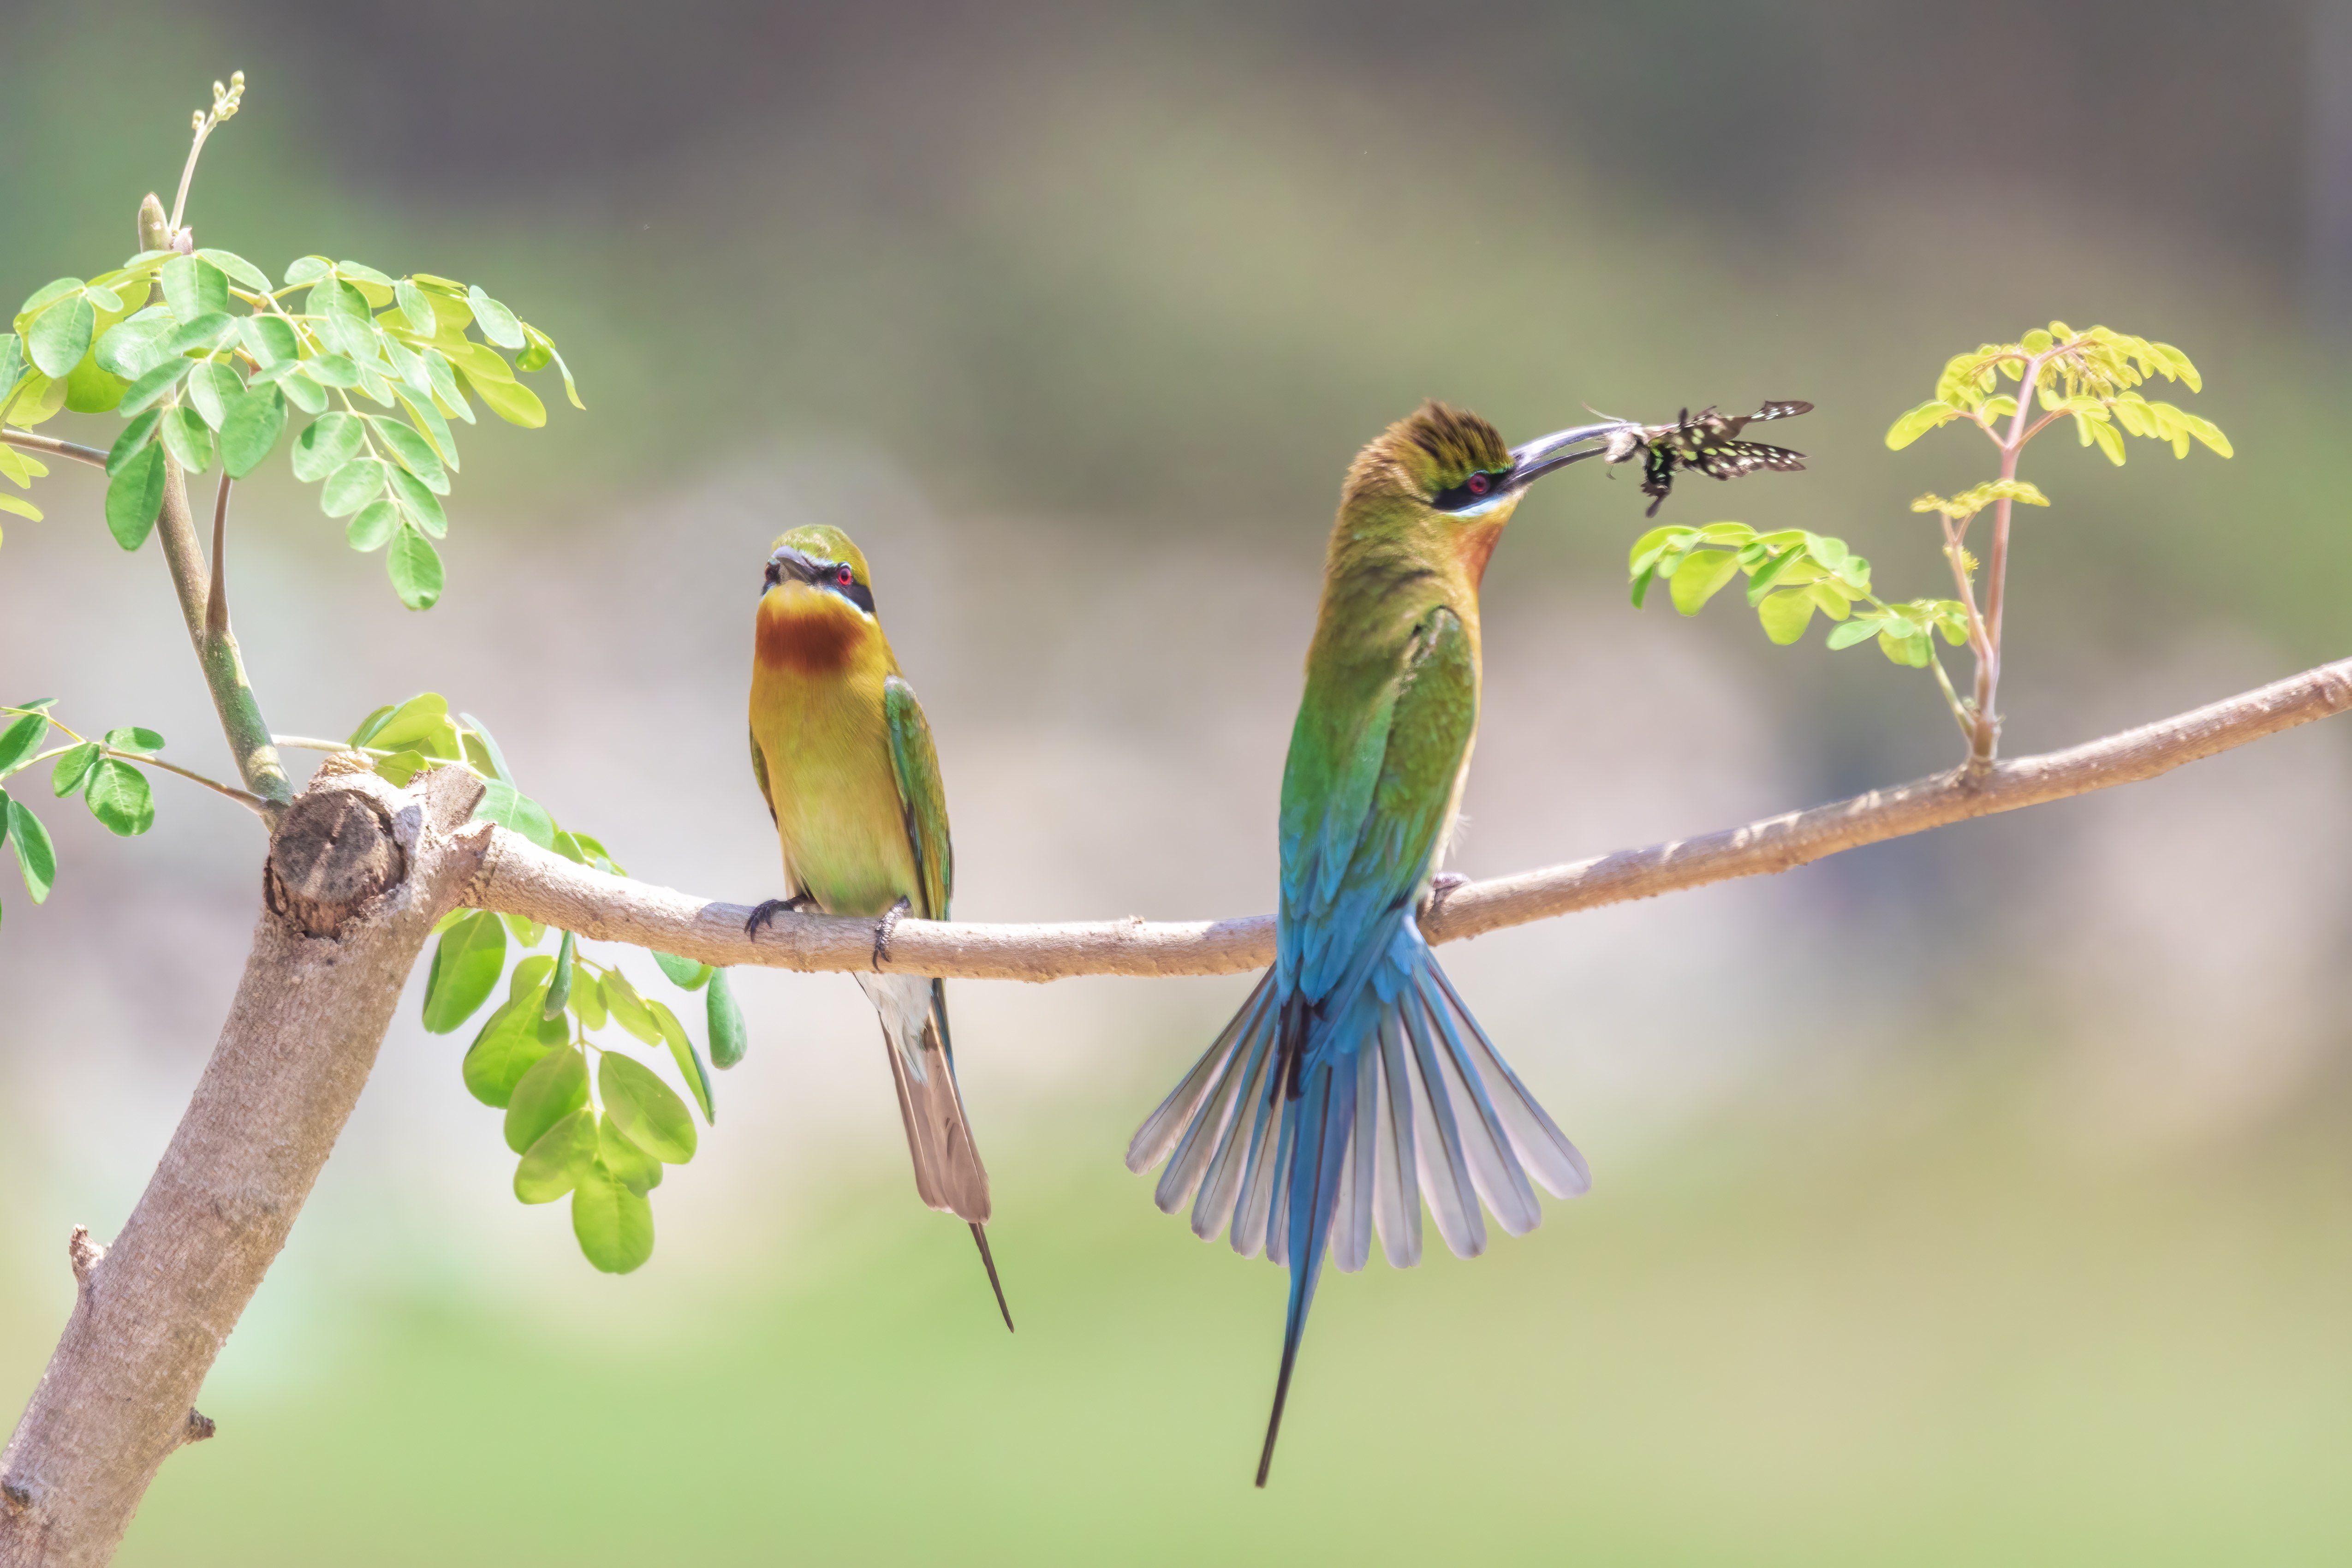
[522, 880]
[357, 874]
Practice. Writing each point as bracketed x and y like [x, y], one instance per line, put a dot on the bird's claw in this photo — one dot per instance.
[882, 930]
[772, 908]
[1443, 884]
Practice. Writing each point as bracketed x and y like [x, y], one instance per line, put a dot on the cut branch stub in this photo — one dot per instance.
[332, 853]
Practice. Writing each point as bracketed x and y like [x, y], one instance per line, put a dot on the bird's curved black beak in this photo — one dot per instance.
[1545, 453]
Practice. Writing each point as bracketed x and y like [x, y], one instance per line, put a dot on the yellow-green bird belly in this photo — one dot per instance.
[822, 745]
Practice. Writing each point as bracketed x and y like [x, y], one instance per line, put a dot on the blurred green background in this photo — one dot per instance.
[1981, 1197]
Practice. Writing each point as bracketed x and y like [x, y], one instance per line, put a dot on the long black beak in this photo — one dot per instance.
[1545, 453]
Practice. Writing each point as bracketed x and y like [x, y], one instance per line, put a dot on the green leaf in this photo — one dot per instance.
[250, 431]
[466, 969]
[330, 441]
[1860, 630]
[588, 1005]
[419, 504]
[337, 370]
[690, 1070]
[1912, 650]
[60, 335]
[416, 306]
[36, 856]
[372, 525]
[508, 807]
[482, 749]
[436, 429]
[396, 770]
[1919, 422]
[427, 713]
[303, 393]
[192, 286]
[647, 1109]
[72, 769]
[515, 1040]
[1641, 587]
[498, 322]
[211, 385]
[1763, 582]
[1701, 576]
[353, 486]
[555, 1087]
[237, 267]
[118, 795]
[415, 568]
[134, 497]
[151, 386]
[133, 738]
[57, 289]
[187, 438]
[629, 1008]
[638, 1171]
[683, 973]
[614, 1224]
[270, 340]
[729, 1038]
[1785, 615]
[413, 452]
[19, 740]
[509, 400]
[559, 990]
[307, 270]
[527, 932]
[553, 1166]
[91, 390]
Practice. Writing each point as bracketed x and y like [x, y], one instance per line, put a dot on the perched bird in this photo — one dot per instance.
[845, 761]
[1354, 1082]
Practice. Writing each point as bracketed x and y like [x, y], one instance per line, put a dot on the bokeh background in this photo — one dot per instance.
[1979, 1198]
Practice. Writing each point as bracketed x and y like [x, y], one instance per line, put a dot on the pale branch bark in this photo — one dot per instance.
[522, 880]
[357, 874]
[54, 448]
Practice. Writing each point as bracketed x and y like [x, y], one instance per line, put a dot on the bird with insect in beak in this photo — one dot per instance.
[1354, 1083]
[845, 763]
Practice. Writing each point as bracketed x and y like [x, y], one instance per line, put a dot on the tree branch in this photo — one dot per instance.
[54, 448]
[356, 874]
[521, 878]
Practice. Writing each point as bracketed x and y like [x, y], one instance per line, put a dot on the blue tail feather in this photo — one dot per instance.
[1401, 1100]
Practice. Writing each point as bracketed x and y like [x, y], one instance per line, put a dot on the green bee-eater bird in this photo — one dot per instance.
[1354, 1082]
[845, 761]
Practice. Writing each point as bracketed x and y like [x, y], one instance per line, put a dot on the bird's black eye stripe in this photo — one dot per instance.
[775, 575]
[857, 593]
[1479, 487]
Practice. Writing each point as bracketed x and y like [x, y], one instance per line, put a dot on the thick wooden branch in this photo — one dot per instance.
[523, 879]
[357, 873]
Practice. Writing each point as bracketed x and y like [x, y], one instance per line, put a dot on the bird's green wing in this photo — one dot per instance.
[760, 771]
[915, 761]
[1364, 884]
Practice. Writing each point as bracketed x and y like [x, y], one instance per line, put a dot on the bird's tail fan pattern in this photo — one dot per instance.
[1418, 1107]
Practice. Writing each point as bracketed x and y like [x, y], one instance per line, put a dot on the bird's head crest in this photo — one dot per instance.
[1433, 450]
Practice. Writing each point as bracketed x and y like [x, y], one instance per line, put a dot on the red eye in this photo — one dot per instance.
[1478, 484]
[843, 575]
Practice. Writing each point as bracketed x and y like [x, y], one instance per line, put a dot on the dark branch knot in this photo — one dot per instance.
[200, 1426]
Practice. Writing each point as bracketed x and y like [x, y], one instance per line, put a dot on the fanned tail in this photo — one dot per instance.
[948, 1174]
[1401, 1099]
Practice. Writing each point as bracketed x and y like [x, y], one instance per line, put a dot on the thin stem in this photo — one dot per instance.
[216, 595]
[1960, 708]
[54, 448]
[252, 802]
[246, 798]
